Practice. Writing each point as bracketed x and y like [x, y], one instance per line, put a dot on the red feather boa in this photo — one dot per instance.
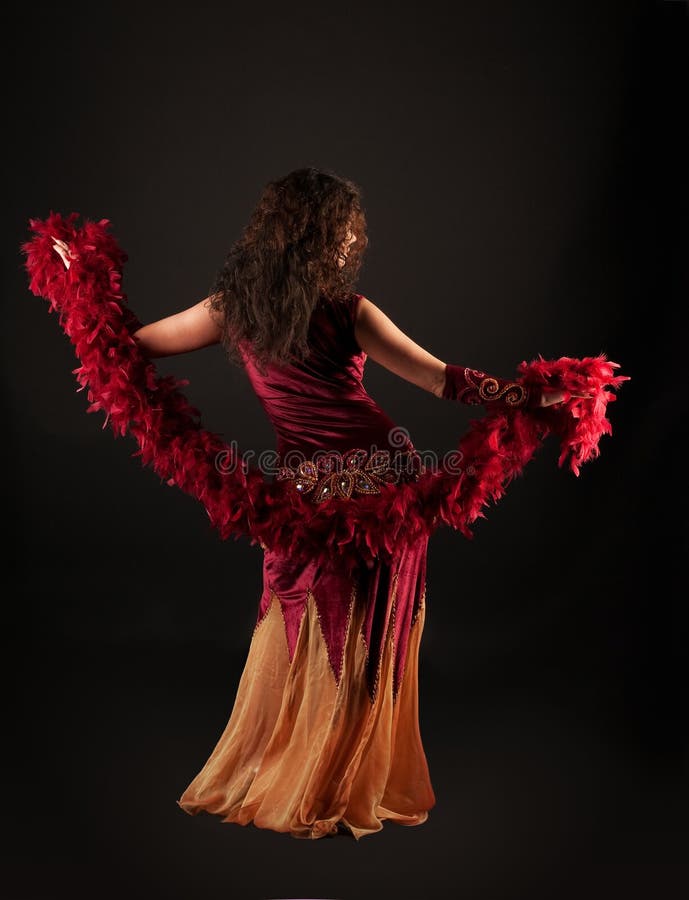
[123, 383]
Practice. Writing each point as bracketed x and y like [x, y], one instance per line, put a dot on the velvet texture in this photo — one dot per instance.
[321, 402]
[324, 731]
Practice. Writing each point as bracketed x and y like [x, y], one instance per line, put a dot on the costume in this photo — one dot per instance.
[324, 733]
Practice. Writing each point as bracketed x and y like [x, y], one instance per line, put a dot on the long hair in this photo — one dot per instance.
[288, 256]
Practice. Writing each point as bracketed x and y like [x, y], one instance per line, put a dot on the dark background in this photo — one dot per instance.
[524, 173]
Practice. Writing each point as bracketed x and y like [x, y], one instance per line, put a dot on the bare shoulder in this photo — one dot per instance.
[213, 304]
[365, 308]
[380, 337]
[372, 318]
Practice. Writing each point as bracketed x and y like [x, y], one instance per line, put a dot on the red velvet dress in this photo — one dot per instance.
[325, 727]
[324, 733]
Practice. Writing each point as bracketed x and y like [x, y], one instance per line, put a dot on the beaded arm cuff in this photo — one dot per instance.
[476, 388]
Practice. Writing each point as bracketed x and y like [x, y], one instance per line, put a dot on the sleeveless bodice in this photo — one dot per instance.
[320, 403]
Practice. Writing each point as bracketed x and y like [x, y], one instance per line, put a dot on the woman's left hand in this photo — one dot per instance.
[551, 396]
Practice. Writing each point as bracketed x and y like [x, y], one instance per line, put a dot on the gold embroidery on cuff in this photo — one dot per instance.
[483, 388]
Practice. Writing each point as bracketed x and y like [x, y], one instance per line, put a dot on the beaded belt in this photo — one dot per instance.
[333, 474]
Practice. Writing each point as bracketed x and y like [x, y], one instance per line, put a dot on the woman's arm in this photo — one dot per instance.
[192, 328]
[384, 342]
[187, 330]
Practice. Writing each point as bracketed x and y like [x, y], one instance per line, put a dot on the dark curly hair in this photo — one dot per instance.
[288, 256]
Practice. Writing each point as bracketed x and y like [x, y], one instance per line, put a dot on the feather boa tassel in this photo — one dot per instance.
[123, 383]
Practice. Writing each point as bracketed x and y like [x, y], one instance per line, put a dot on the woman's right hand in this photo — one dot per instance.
[61, 248]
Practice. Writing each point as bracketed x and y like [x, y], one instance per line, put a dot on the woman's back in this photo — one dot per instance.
[321, 403]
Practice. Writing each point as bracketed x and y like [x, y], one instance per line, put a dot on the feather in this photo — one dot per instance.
[239, 501]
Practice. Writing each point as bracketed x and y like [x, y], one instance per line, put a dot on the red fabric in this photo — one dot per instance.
[321, 403]
[237, 496]
[332, 590]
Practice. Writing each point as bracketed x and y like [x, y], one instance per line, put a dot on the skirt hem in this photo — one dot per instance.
[321, 828]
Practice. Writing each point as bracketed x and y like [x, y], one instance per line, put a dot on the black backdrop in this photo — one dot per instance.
[524, 175]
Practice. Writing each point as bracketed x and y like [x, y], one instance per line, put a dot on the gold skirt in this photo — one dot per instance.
[323, 738]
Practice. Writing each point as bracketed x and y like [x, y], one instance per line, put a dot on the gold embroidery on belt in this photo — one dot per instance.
[332, 474]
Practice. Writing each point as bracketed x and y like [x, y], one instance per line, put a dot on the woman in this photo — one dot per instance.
[323, 738]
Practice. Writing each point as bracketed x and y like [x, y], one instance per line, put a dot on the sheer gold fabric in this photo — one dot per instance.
[304, 755]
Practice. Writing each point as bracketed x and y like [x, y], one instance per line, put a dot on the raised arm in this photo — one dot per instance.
[181, 332]
[187, 330]
[388, 345]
